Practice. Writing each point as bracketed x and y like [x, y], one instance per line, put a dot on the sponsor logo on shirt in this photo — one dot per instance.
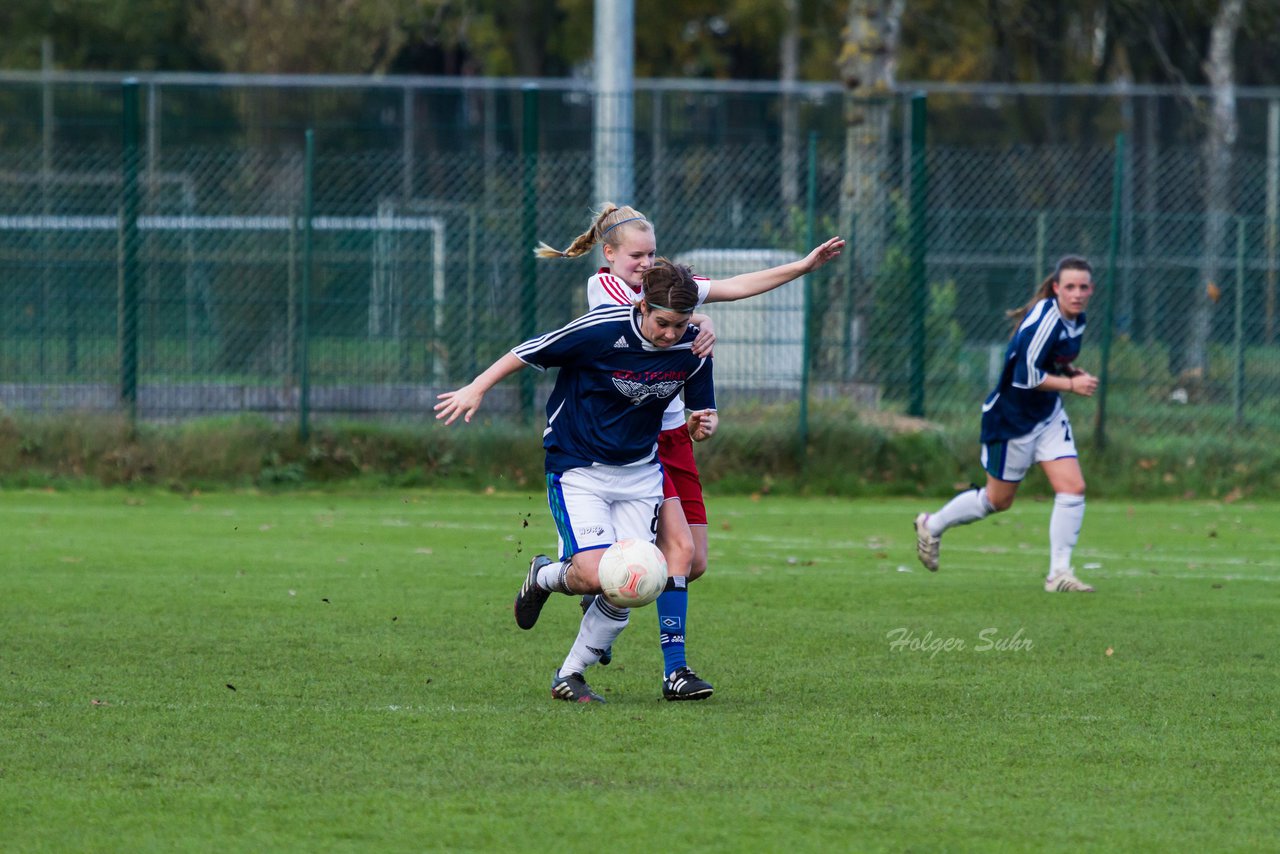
[639, 386]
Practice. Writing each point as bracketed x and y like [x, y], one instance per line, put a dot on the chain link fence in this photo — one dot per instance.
[203, 259]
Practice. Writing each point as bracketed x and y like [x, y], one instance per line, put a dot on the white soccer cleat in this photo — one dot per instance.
[1065, 582]
[927, 544]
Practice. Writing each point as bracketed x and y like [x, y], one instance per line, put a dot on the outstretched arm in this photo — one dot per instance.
[762, 281]
[466, 400]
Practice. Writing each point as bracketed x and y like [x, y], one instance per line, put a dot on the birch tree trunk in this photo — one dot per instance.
[1218, 151]
[868, 59]
[790, 51]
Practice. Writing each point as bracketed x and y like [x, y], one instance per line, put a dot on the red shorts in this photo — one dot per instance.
[675, 452]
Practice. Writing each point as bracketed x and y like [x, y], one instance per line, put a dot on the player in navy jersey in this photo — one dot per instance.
[630, 246]
[619, 368]
[1024, 422]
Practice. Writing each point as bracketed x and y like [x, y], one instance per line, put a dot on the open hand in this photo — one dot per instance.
[465, 401]
[822, 254]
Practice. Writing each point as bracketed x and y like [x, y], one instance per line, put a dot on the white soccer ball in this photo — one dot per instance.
[632, 573]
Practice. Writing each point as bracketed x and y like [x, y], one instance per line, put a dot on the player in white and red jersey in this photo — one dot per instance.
[630, 247]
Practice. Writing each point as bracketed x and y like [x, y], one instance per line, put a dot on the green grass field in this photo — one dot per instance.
[333, 672]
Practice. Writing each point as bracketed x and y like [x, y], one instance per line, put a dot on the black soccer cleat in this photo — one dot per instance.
[684, 684]
[572, 688]
[531, 598]
[587, 599]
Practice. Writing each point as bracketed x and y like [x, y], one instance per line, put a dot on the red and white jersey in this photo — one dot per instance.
[604, 288]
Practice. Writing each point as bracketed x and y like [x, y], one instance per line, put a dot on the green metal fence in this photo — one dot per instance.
[182, 251]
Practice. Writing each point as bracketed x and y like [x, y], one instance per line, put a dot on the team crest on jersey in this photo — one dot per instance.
[638, 391]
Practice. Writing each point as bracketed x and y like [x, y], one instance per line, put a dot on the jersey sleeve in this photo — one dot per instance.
[700, 387]
[607, 289]
[1032, 356]
[704, 288]
[559, 347]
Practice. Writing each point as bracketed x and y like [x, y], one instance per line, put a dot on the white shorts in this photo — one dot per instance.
[594, 507]
[1051, 439]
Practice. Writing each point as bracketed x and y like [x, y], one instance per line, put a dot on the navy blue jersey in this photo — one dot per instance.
[607, 403]
[1045, 343]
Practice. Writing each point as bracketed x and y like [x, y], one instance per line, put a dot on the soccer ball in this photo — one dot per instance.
[632, 573]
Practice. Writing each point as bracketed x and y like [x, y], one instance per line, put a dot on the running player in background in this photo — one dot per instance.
[630, 246]
[619, 367]
[1024, 422]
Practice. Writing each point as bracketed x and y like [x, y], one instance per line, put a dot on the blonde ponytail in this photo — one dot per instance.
[604, 229]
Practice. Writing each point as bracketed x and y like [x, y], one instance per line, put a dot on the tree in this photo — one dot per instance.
[789, 51]
[1219, 143]
[130, 35]
[297, 37]
[866, 65]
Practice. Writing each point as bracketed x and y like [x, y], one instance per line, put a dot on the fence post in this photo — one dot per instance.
[806, 346]
[304, 307]
[528, 235]
[1237, 385]
[1042, 228]
[1109, 301]
[918, 283]
[1273, 212]
[127, 323]
[46, 208]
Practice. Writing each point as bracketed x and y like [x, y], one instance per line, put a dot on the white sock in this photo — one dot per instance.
[1064, 531]
[551, 577]
[600, 627]
[969, 506]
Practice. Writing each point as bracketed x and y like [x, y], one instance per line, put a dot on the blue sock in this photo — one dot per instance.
[673, 606]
